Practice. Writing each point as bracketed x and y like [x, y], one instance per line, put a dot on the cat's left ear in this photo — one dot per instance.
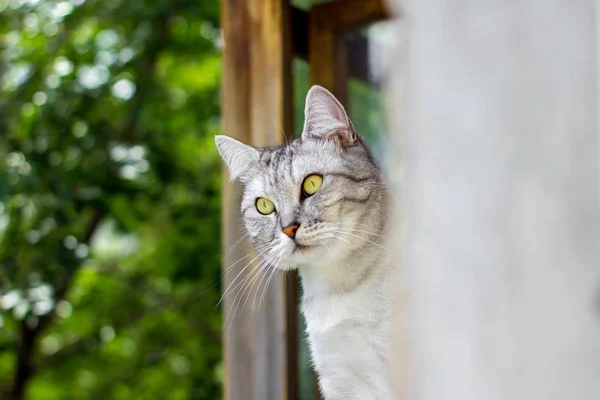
[325, 118]
[241, 159]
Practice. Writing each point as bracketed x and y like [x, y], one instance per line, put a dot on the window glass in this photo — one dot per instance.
[365, 96]
[301, 82]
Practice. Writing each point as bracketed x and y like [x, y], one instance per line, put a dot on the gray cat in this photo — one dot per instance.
[320, 205]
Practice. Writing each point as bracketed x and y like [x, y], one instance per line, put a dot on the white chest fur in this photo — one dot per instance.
[349, 334]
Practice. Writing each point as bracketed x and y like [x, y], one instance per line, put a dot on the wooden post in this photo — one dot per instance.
[498, 127]
[238, 340]
[260, 347]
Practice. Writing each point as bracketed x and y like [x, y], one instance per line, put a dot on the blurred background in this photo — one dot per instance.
[110, 199]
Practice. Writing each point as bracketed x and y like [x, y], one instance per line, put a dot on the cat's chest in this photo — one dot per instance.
[339, 327]
[325, 312]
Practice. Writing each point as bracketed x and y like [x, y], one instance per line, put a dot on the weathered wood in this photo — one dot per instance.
[239, 339]
[271, 102]
[349, 14]
[499, 111]
[260, 346]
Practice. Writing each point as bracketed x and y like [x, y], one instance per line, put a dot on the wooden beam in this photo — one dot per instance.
[350, 14]
[260, 346]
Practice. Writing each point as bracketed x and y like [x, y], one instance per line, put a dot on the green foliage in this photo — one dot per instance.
[109, 199]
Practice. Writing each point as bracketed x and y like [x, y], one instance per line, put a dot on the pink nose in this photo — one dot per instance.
[290, 230]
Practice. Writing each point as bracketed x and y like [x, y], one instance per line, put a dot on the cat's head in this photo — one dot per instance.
[312, 201]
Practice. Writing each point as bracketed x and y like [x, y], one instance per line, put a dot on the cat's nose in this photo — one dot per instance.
[291, 230]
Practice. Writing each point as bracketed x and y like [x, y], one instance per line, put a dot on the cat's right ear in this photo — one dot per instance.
[241, 159]
[325, 118]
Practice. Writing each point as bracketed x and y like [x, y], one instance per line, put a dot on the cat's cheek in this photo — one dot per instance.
[260, 232]
[252, 234]
[330, 213]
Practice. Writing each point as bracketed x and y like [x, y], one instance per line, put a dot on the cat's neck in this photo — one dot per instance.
[346, 274]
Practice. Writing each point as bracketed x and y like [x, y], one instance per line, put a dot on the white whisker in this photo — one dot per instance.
[248, 285]
[256, 270]
[243, 282]
[229, 289]
[360, 230]
[266, 273]
[235, 244]
[265, 268]
[230, 268]
[268, 282]
[366, 226]
[354, 247]
[365, 239]
[246, 282]
[335, 236]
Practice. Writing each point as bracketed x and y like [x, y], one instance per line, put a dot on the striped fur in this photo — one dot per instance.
[339, 248]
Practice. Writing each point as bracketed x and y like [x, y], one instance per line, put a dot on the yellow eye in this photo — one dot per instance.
[264, 206]
[312, 184]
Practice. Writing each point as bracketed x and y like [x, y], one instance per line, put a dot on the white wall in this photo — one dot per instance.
[497, 121]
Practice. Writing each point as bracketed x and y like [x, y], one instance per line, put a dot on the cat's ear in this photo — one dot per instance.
[325, 118]
[241, 159]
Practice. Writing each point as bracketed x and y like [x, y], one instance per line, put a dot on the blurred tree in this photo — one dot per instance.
[109, 199]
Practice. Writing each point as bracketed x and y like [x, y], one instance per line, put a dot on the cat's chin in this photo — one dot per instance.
[301, 248]
[302, 254]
